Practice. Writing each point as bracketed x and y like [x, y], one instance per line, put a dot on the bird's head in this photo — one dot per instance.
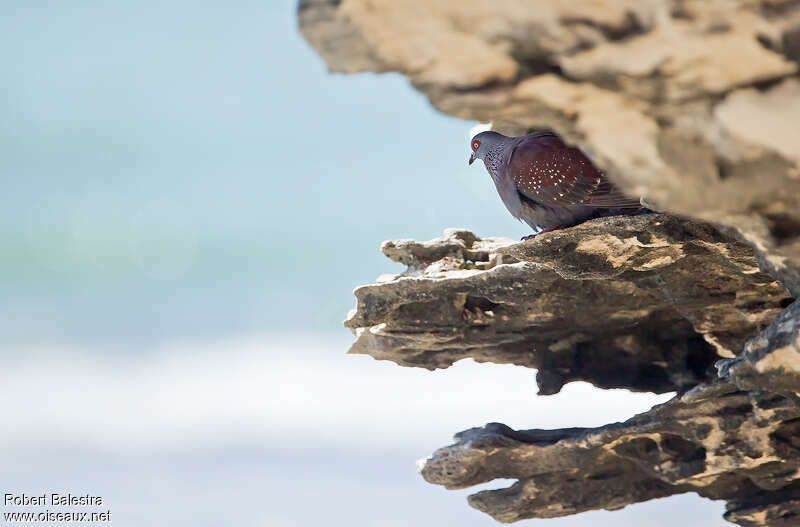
[482, 143]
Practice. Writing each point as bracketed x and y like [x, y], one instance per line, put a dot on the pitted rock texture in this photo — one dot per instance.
[692, 103]
[737, 439]
[646, 302]
[772, 360]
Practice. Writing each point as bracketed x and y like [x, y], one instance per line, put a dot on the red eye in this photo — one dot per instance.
[475, 145]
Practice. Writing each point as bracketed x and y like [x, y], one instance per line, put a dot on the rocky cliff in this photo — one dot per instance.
[694, 104]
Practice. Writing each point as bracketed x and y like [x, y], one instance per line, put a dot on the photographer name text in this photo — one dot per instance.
[51, 499]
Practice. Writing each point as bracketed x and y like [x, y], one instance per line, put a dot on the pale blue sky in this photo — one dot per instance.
[182, 167]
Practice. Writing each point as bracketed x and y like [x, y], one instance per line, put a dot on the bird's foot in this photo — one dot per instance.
[534, 235]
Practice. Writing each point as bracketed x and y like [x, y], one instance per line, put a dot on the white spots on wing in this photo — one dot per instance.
[562, 177]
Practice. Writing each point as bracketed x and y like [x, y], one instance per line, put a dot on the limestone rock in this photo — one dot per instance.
[734, 439]
[659, 327]
[770, 361]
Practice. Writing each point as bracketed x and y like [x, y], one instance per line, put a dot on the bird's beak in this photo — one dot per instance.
[471, 158]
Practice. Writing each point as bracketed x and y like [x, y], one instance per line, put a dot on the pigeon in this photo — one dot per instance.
[546, 183]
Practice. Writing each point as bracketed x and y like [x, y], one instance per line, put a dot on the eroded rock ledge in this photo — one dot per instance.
[645, 303]
[736, 438]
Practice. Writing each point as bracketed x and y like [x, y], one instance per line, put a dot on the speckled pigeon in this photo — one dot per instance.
[546, 183]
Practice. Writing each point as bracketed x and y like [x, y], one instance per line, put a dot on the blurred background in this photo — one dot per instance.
[188, 200]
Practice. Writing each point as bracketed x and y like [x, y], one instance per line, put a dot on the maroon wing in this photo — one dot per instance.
[549, 172]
